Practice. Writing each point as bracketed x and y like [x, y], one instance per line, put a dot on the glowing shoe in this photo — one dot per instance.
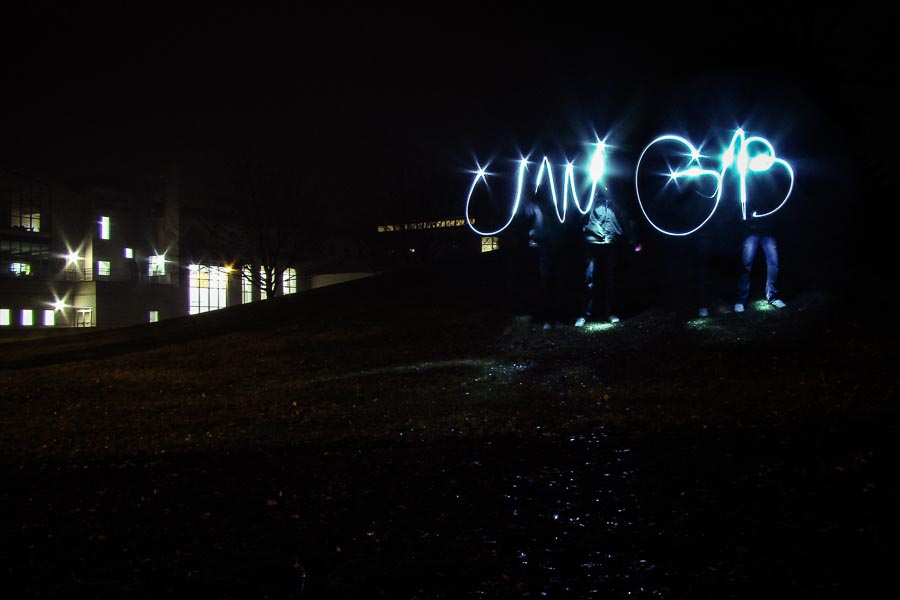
[579, 322]
[547, 327]
[739, 307]
[613, 319]
[777, 303]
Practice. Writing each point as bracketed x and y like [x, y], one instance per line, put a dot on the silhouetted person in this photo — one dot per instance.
[546, 244]
[605, 233]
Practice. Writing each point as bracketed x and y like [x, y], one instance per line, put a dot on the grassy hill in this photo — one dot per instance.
[414, 435]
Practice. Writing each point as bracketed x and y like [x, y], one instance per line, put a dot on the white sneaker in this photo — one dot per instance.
[579, 322]
[547, 327]
[777, 303]
[738, 307]
[703, 312]
[613, 319]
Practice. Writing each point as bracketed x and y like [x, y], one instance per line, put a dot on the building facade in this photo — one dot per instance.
[108, 256]
[87, 257]
[99, 256]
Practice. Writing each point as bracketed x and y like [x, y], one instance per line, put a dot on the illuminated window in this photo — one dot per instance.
[27, 317]
[104, 228]
[84, 317]
[263, 290]
[289, 281]
[246, 286]
[154, 316]
[103, 268]
[129, 253]
[158, 264]
[207, 288]
[490, 243]
[4, 316]
[49, 318]
[20, 268]
[422, 225]
[25, 218]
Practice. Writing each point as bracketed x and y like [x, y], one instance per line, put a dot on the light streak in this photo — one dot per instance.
[737, 155]
[596, 168]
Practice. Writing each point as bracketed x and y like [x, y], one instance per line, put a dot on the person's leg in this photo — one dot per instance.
[770, 248]
[703, 269]
[589, 285]
[558, 285]
[542, 309]
[609, 279]
[748, 253]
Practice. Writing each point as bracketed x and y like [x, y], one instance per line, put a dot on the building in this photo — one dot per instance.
[87, 257]
[109, 256]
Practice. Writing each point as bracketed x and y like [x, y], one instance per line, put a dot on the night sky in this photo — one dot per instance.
[374, 99]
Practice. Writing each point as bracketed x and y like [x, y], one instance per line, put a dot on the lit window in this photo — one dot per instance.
[49, 318]
[289, 281]
[263, 290]
[208, 288]
[158, 264]
[4, 316]
[20, 268]
[103, 268]
[246, 285]
[104, 228]
[27, 317]
[25, 218]
[129, 253]
[154, 316]
[489, 243]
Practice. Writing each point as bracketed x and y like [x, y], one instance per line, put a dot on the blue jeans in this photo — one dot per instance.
[600, 279]
[748, 253]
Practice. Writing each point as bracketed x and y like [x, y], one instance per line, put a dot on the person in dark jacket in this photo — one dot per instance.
[607, 230]
[545, 243]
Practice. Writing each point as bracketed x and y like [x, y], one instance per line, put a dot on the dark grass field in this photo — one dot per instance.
[414, 435]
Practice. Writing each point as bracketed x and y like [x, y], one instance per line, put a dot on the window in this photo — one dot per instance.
[208, 288]
[25, 218]
[84, 317]
[23, 201]
[20, 268]
[289, 281]
[158, 264]
[129, 253]
[154, 316]
[4, 316]
[22, 258]
[104, 228]
[49, 318]
[246, 285]
[103, 268]
[489, 243]
[27, 317]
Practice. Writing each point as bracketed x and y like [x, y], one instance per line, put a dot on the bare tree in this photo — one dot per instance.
[265, 220]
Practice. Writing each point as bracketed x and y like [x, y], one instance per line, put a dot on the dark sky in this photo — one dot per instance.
[376, 98]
